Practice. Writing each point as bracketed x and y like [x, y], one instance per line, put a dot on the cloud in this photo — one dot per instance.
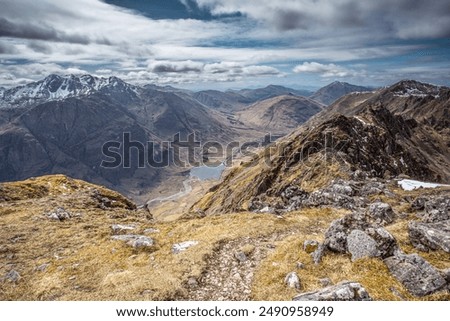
[325, 70]
[264, 41]
[14, 75]
[182, 72]
[175, 66]
[27, 30]
[7, 48]
[402, 19]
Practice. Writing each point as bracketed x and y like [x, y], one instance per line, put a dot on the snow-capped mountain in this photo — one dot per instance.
[55, 87]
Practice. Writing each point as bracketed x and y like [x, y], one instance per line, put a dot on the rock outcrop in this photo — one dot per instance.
[344, 291]
[415, 273]
[430, 236]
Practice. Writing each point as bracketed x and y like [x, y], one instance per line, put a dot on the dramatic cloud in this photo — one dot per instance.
[325, 70]
[243, 41]
[402, 18]
[15, 74]
[40, 32]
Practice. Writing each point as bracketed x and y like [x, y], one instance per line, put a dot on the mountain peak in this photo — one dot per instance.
[336, 90]
[413, 88]
[55, 87]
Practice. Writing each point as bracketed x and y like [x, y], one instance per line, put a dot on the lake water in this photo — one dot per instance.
[207, 172]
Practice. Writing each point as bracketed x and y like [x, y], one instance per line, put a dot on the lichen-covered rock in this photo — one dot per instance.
[240, 256]
[336, 237]
[121, 229]
[292, 280]
[361, 245]
[151, 231]
[437, 209]
[344, 291]
[60, 214]
[310, 246]
[318, 253]
[336, 234]
[419, 203]
[12, 276]
[430, 236]
[386, 243]
[415, 273]
[380, 213]
[136, 241]
[434, 209]
[183, 246]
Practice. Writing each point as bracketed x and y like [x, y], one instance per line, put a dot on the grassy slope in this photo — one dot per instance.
[85, 264]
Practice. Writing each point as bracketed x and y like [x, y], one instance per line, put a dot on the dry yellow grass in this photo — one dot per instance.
[85, 264]
[370, 272]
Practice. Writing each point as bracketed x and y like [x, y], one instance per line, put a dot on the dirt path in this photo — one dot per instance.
[228, 277]
[187, 188]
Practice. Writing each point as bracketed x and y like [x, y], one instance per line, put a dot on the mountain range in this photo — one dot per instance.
[60, 123]
[401, 129]
[354, 186]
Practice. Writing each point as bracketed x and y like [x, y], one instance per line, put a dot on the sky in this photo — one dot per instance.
[199, 44]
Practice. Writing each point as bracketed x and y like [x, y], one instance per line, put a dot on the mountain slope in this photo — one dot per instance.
[221, 100]
[328, 94]
[65, 239]
[381, 140]
[59, 125]
[279, 115]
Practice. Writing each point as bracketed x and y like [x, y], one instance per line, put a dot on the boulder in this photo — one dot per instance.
[59, 214]
[336, 234]
[417, 275]
[292, 280]
[419, 203]
[240, 256]
[386, 243]
[336, 237]
[121, 229]
[183, 246]
[136, 241]
[310, 246]
[343, 291]
[12, 276]
[380, 213]
[372, 188]
[361, 245]
[437, 209]
[318, 253]
[430, 236]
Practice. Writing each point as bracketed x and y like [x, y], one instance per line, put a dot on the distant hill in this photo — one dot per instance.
[271, 91]
[281, 114]
[330, 93]
[234, 99]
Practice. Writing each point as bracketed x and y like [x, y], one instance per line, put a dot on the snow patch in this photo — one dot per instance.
[410, 184]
